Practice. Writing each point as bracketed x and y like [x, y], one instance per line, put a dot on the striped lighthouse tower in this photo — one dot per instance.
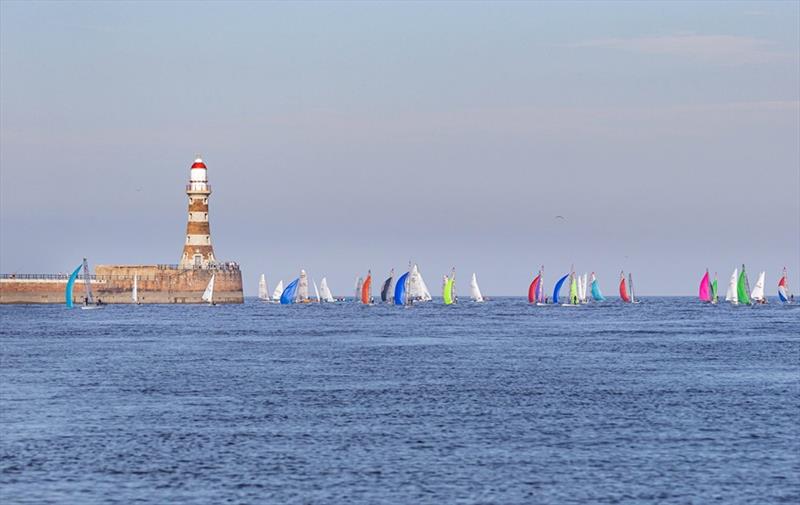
[197, 251]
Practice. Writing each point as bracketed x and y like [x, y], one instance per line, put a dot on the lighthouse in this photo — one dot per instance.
[197, 250]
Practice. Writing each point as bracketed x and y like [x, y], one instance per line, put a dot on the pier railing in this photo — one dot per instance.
[222, 266]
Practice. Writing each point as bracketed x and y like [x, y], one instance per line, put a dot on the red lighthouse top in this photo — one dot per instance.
[198, 163]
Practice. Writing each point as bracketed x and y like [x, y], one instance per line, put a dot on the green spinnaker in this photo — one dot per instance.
[741, 288]
[447, 292]
[573, 291]
[714, 291]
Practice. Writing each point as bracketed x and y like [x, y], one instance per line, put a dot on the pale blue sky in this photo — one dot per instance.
[347, 136]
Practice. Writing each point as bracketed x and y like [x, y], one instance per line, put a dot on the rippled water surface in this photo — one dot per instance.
[663, 402]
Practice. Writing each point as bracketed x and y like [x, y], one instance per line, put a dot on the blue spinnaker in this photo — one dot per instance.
[558, 288]
[70, 284]
[400, 290]
[287, 296]
[596, 294]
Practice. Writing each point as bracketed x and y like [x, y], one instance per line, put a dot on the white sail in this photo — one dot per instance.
[630, 287]
[276, 295]
[731, 295]
[302, 286]
[263, 290]
[359, 285]
[316, 291]
[584, 293]
[325, 291]
[579, 281]
[474, 290]
[135, 290]
[417, 289]
[208, 294]
[758, 290]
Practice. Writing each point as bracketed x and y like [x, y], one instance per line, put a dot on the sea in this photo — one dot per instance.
[669, 401]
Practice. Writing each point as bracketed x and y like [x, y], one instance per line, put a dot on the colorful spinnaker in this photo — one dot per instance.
[574, 299]
[714, 296]
[705, 288]
[400, 290]
[289, 294]
[557, 288]
[71, 285]
[596, 294]
[448, 289]
[533, 289]
[623, 288]
[783, 288]
[366, 289]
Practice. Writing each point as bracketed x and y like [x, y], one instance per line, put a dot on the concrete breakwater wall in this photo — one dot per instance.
[114, 284]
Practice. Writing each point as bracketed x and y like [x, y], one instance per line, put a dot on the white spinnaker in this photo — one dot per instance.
[580, 287]
[731, 295]
[263, 290]
[758, 289]
[302, 286]
[584, 297]
[325, 290]
[208, 294]
[474, 290]
[414, 288]
[276, 295]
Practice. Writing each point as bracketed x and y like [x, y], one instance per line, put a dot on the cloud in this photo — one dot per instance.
[721, 49]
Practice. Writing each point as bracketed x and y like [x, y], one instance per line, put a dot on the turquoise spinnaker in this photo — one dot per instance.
[70, 284]
[558, 288]
[400, 290]
[287, 297]
[596, 294]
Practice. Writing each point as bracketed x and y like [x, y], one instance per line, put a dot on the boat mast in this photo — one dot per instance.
[87, 283]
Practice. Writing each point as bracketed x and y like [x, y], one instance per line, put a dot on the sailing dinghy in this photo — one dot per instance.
[596, 294]
[386, 290]
[208, 294]
[88, 300]
[757, 295]
[276, 295]
[536, 289]
[557, 288]
[732, 294]
[325, 291]
[366, 290]
[263, 289]
[288, 296]
[135, 290]
[623, 288]
[783, 288]
[449, 288]
[71, 286]
[474, 290]
[743, 288]
[704, 291]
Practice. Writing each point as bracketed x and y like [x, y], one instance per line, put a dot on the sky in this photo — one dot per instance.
[342, 137]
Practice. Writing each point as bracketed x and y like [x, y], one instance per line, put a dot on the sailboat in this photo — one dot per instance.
[596, 294]
[536, 288]
[757, 295]
[583, 288]
[714, 296]
[359, 285]
[263, 289]
[474, 290]
[276, 295]
[417, 290]
[317, 298]
[623, 289]
[302, 288]
[574, 299]
[732, 295]
[401, 290]
[449, 288]
[704, 291]
[325, 291]
[71, 285]
[783, 288]
[743, 288]
[208, 294]
[557, 288]
[366, 289]
[135, 290]
[630, 286]
[88, 301]
[386, 290]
